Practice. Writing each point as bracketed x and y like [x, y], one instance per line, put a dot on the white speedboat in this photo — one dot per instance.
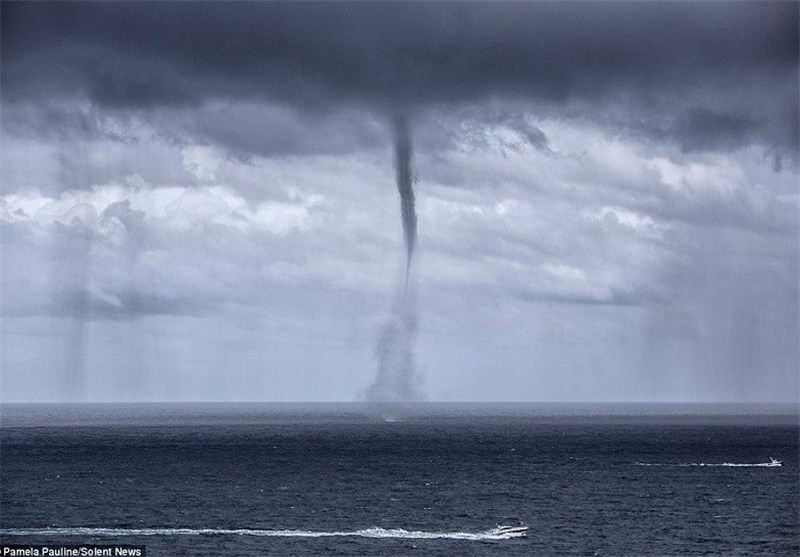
[510, 531]
[773, 462]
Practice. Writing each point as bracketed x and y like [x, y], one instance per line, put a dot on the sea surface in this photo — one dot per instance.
[427, 479]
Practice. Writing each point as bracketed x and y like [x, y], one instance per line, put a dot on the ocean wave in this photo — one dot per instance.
[397, 533]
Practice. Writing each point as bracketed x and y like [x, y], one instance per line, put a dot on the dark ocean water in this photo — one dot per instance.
[426, 480]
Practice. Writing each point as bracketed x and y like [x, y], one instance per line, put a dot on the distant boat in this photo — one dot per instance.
[773, 462]
[511, 531]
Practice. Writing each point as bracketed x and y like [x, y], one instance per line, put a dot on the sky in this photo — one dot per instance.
[199, 201]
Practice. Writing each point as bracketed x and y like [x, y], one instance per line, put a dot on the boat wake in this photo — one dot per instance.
[772, 463]
[397, 533]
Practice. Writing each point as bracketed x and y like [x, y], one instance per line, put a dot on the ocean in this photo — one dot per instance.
[424, 479]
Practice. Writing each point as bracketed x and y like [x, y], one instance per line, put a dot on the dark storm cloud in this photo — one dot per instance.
[721, 66]
[700, 129]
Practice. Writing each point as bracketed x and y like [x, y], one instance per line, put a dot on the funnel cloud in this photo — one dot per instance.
[402, 150]
[396, 380]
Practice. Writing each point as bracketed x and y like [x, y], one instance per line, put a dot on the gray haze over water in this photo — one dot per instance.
[253, 413]
[197, 201]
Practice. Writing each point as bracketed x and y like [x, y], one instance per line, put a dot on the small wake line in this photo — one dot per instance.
[366, 533]
[772, 464]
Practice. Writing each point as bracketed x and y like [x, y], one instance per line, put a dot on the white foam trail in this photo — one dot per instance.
[397, 533]
[707, 464]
